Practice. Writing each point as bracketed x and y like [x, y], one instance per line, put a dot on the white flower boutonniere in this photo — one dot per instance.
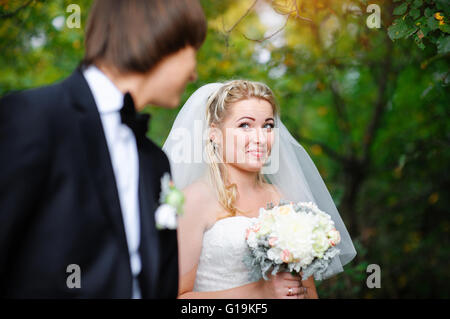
[171, 200]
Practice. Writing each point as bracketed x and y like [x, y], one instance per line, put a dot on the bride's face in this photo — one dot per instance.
[247, 134]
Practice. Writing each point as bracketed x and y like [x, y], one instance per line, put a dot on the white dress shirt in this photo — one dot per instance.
[124, 157]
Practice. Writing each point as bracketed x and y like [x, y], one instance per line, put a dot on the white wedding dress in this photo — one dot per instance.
[221, 264]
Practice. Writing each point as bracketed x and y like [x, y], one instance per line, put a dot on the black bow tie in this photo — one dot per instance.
[138, 122]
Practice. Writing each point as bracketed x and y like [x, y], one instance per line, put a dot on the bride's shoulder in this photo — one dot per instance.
[197, 190]
[199, 198]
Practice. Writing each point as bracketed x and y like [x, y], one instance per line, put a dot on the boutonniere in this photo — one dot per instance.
[171, 201]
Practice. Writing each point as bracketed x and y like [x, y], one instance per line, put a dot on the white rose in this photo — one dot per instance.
[321, 244]
[325, 222]
[265, 229]
[166, 217]
[266, 223]
[294, 232]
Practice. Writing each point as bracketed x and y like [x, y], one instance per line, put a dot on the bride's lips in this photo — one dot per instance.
[256, 153]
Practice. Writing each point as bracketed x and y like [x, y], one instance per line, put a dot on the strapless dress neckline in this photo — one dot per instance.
[221, 265]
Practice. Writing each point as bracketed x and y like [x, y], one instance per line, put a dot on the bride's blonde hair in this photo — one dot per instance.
[216, 110]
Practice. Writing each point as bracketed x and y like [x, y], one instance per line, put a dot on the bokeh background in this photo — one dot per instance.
[370, 105]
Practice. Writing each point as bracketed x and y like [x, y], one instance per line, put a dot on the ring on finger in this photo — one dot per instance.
[290, 291]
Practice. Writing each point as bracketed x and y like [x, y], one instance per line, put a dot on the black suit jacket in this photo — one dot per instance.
[59, 203]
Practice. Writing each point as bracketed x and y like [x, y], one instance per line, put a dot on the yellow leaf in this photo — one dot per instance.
[402, 280]
[284, 6]
[225, 64]
[433, 198]
[438, 16]
[289, 60]
[316, 149]
[322, 110]
[398, 172]
[76, 44]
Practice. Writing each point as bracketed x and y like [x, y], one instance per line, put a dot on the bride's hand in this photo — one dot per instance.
[282, 286]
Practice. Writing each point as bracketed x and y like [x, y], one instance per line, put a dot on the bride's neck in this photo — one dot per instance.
[247, 182]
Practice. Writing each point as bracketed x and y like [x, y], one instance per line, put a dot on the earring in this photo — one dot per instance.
[214, 145]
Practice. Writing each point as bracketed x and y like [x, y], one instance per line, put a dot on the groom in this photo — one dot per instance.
[79, 181]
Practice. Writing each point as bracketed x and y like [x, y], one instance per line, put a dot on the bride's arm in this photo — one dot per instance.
[276, 287]
[252, 290]
[191, 227]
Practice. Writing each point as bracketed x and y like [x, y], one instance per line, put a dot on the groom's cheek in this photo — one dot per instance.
[175, 102]
[170, 101]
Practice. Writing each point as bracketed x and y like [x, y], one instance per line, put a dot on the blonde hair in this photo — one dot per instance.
[216, 110]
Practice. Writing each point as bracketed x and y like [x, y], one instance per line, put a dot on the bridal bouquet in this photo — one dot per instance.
[291, 237]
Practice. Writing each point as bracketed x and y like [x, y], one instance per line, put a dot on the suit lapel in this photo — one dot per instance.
[97, 152]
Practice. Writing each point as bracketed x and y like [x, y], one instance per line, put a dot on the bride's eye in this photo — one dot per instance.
[269, 126]
[244, 125]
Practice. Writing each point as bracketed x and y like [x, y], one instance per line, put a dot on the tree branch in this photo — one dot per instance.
[341, 111]
[380, 105]
[439, 56]
[297, 12]
[269, 36]
[13, 13]
[239, 20]
[297, 16]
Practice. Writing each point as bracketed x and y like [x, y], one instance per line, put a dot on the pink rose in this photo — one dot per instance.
[334, 236]
[247, 232]
[272, 241]
[256, 227]
[286, 256]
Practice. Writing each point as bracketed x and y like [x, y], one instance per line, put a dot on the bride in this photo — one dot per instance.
[231, 155]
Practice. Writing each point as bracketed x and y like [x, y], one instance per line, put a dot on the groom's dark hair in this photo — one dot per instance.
[134, 35]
